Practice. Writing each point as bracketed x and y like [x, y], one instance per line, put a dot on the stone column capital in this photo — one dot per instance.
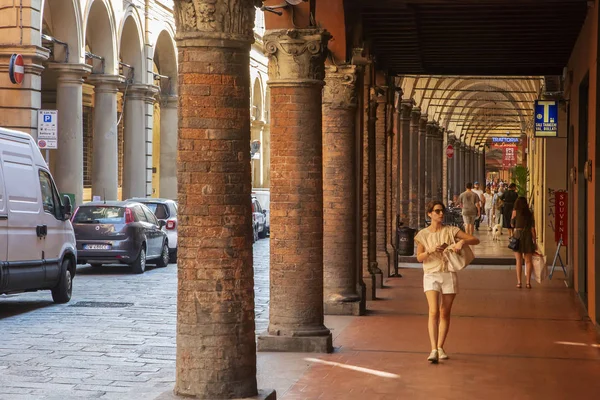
[296, 56]
[168, 101]
[340, 87]
[210, 23]
[104, 83]
[406, 107]
[415, 114]
[140, 91]
[70, 73]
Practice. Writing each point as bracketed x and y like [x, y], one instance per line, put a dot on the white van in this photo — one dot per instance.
[37, 243]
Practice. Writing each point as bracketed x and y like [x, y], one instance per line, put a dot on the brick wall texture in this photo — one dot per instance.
[296, 210]
[381, 192]
[339, 201]
[216, 352]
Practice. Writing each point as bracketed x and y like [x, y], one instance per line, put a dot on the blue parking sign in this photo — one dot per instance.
[546, 118]
[47, 118]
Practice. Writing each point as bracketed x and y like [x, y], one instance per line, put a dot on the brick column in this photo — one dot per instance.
[439, 164]
[422, 171]
[371, 270]
[394, 136]
[296, 74]
[413, 191]
[340, 286]
[381, 173]
[216, 348]
[404, 151]
[390, 216]
[482, 161]
[429, 161]
[449, 170]
[456, 189]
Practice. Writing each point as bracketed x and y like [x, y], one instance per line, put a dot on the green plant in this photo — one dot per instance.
[520, 176]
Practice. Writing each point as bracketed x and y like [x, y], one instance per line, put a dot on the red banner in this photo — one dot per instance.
[509, 157]
[561, 202]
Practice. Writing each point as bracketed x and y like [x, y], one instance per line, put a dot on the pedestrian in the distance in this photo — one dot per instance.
[524, 230]
[479, 193]
[469, 202]
[440, 286]
[508, 199]
[488, 208]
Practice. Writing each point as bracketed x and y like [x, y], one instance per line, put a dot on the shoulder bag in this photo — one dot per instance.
[514, 242]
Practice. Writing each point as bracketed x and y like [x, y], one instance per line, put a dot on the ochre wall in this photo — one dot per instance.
[582, 61]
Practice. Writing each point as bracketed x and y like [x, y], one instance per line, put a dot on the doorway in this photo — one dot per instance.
[582, 190]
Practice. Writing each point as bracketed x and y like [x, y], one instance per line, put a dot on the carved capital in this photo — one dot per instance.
[222, 23]
[296, 56]
[340, 87]
[415, 115]
[406, 107]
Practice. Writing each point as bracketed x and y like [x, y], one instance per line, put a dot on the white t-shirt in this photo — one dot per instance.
[479, 193]
[488, 200]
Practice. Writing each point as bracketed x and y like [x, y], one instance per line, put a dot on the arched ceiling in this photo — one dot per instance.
[474, 108]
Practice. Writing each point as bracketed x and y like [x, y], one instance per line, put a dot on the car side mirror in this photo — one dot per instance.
[162, 223]
[67, 208]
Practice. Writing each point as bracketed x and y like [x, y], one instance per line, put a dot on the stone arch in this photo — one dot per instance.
[165, 60]
[61, 19]
[257, 100]
[100, 35]
[164, 142]
[131, 45]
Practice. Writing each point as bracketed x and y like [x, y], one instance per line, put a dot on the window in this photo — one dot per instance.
[50, 199]
[99, 215]
[149, 216]
[139, 213]
[159, 210]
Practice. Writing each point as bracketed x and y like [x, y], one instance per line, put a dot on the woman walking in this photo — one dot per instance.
[508, 198]
[488, 208]
[439, 285]
[524, 227]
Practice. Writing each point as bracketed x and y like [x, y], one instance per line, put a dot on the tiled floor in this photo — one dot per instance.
[504, 343]
[489, 248]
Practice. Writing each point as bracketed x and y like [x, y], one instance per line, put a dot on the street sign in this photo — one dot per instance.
[450, 151]
[16, 69]
[48, 129]
[500, 139]
[546, 118]
[509, 157]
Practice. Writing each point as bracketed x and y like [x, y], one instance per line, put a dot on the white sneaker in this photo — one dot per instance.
[442, 354]
[433, 357]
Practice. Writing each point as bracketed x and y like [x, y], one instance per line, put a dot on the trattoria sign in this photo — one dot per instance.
[561, 199]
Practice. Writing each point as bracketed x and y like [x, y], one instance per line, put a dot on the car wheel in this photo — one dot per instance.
[173, 257]
[62, 292]
[139, 265]
[163, 261]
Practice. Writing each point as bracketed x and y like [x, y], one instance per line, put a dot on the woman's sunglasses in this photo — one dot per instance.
[438, 211]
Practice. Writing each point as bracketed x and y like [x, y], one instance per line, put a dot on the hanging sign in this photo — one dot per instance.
[16, 69]
[450, 151]
[509, 156]
[48, 129]
[505, 139]
[561, 204]
[546, 118]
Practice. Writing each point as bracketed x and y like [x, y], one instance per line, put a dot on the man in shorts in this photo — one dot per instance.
[479, 192]
[470, 203]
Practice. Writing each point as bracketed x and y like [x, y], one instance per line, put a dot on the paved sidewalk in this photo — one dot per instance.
[504, 343]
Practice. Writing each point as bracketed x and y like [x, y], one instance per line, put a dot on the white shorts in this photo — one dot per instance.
[443, 282]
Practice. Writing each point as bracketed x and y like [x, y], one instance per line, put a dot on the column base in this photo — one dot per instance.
[343, 308]
[295, 344]
[265, 394]
[371, 286]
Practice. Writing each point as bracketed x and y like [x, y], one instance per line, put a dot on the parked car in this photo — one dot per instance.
[120, 232]
[37, 244]
[165, 210]
[264, 198]
[259, 218]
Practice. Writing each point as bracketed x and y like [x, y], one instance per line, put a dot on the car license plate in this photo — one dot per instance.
[96, 246]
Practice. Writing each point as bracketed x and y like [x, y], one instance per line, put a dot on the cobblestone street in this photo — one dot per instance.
[122, 349]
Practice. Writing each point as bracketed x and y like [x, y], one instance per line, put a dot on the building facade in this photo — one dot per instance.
[110, 69]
